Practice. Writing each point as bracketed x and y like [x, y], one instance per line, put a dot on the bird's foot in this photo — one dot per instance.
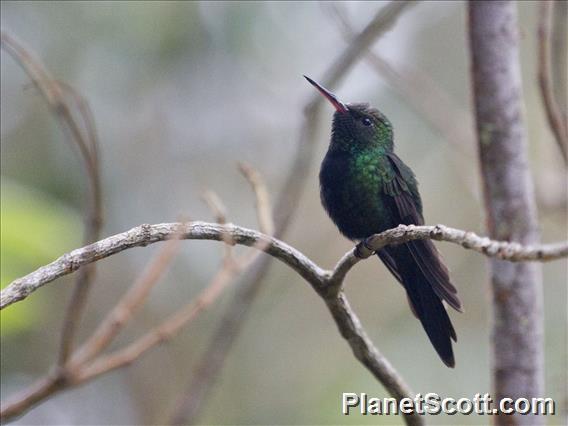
[363, 249]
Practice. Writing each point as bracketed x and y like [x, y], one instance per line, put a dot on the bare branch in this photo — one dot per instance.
[263, 208]
[504, 250]
[144, 235]
[556, 121]
[423, 94]
[48, 88]
[148, 234]
[173, 324]
[93, 225]
[365, 351]
[385, 18]
[188, 403]
[216, 206]
[32, 395]
[128, 304]
[165, 331]
[219, 211]
[53, 93]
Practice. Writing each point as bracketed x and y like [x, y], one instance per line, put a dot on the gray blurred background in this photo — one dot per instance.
[181, 92]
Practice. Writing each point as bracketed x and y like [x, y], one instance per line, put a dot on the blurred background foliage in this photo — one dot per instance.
[34, 226]
[181, 91]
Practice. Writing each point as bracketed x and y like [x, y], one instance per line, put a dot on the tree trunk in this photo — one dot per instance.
[517, 336]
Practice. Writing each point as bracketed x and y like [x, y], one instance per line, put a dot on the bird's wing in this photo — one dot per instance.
[407, 210]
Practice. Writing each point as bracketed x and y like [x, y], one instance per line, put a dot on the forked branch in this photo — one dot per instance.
[328, 284]
[319, 278]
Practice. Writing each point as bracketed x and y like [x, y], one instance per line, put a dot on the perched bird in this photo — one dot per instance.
[366, 189]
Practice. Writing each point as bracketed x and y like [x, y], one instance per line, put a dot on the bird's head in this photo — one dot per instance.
[357, 126]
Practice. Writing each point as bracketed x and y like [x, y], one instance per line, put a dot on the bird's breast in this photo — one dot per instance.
[351, 192]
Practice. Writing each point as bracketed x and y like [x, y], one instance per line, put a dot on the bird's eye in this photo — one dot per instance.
[366, 122]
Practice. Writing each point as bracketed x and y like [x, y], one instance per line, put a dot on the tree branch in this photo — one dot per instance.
[31, 396]
[219, 211]
[517, 326]
[54, 94]
[128, 304]
[365, 351]
[144, 235]
[166, 330]
[503, 250]
[263, 206]
[421, 92]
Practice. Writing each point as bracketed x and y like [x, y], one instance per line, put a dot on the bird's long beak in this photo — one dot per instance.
[337, 104]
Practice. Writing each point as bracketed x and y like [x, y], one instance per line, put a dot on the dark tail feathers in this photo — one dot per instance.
[426, 281]
[432, 314]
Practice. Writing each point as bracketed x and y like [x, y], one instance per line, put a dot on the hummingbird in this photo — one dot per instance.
[366, 189]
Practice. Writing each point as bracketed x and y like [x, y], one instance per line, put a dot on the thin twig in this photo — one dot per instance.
[383, 20]
[365, 351]
[556, 121]
[93, 225]
[47, 86]
[32, 395]
[128, 304]
[188, 403]
[219, 211]
[423, 94]
[174, 323]
[166, 330]
[263, 206]
[53, 92]
[216, 206]
[86, 115]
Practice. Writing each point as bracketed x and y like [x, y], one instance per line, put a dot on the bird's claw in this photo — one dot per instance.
[363, 249]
